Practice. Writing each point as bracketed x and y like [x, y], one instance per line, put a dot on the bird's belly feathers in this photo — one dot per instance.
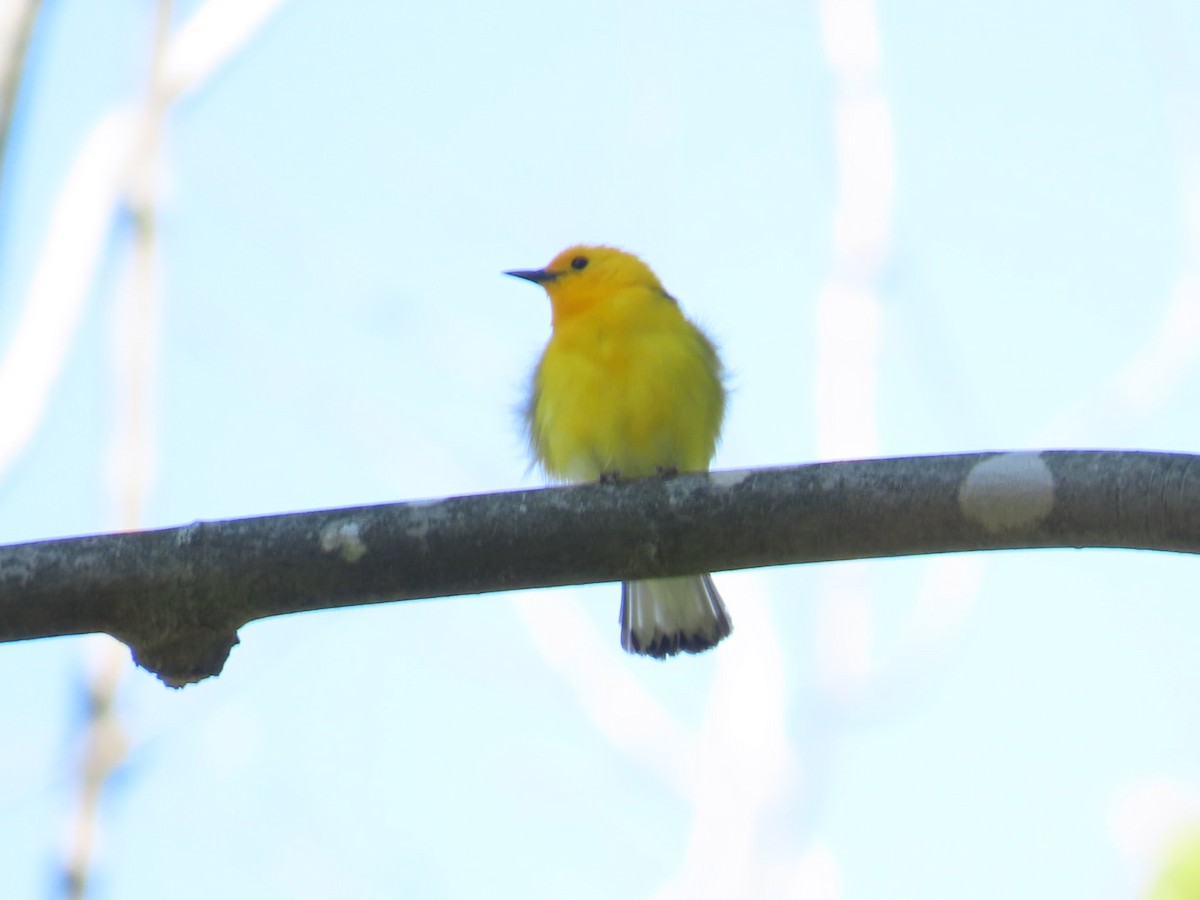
[627, 404]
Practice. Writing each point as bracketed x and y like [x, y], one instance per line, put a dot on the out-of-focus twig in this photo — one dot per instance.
[105, 740]
[91, 193]
[17, 18]
[104, 746]
[136, 331]
[116, 169]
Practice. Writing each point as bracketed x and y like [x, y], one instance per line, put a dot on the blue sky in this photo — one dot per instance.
[978, 229]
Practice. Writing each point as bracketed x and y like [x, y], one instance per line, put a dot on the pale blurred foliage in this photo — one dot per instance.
[118, 168]
[1180, 877]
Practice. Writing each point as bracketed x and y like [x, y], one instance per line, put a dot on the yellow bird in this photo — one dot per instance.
[628, 387]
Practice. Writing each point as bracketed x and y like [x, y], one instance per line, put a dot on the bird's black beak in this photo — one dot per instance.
[537, 276]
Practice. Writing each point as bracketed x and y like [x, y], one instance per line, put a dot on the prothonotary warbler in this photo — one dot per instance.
[628, 387]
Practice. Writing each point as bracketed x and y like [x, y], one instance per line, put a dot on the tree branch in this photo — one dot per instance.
[177, 596]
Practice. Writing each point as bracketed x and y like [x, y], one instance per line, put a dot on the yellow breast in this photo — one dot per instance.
[627, 387]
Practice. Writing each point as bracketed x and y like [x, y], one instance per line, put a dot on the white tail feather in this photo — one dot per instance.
[663, 616]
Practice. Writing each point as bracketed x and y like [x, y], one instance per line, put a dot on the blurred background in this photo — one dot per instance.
[250, 256]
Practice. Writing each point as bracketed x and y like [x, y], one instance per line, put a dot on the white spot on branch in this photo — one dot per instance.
[1008, 491]
[343, 538]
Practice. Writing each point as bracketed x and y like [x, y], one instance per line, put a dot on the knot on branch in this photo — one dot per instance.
[185, 655]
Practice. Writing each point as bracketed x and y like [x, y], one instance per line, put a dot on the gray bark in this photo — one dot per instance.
[178, 596]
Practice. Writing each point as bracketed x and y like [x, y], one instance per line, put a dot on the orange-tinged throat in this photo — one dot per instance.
[570, 300]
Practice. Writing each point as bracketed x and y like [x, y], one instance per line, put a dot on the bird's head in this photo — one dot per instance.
[582, 276]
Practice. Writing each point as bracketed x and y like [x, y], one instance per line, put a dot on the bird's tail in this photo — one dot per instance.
[665, 615]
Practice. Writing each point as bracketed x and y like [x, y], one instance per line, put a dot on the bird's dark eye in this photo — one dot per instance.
[579, 262]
